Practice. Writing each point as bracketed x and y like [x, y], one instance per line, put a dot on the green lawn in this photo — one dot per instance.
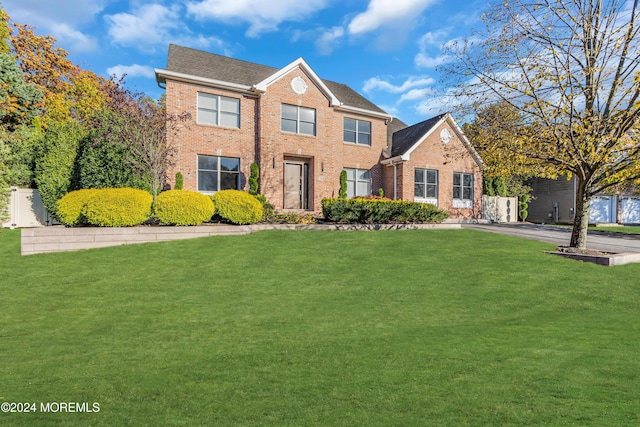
[626, 229]
[316, 328]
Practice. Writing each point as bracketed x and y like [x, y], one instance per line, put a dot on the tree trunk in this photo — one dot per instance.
[581, 220]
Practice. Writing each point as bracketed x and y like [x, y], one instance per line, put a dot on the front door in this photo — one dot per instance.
[293, 185]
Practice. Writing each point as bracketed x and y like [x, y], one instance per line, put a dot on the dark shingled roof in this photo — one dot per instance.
[217, 67]
[406, 138]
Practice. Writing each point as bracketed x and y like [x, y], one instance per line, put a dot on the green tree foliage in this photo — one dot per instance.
[20, 101]
[103, 163]
[570, 69]
[4, 183]
[55, 163]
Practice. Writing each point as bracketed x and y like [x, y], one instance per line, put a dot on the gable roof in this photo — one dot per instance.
[210, 68]
[406, 140]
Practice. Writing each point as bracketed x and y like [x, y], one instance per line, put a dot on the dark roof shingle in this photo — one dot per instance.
[406, 138]
[199, 63]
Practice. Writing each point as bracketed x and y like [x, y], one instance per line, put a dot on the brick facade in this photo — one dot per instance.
[446, 159]
[318, 159]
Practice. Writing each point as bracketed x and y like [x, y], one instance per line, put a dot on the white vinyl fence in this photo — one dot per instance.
[500, 209]
[27, 210]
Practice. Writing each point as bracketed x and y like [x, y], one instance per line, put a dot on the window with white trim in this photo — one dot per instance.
[462, 189]
[357, 131]
[297, 119]
[358, 182]
[425, 184]
[217, 173]
[218, 110]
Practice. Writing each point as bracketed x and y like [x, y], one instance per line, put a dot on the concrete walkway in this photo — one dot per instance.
[598, 240]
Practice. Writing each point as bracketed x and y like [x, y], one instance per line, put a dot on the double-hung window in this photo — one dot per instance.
[296, 119]
[357, 131]
[358, 182]
[462, 190]
[218, 110]
[425, 186]
[218, 173]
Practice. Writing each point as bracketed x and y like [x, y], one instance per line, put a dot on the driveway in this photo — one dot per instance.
[598, 240]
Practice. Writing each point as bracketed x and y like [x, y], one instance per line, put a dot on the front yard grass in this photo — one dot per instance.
[319, 328]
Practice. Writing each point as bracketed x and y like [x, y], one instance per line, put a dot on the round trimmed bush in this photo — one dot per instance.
[118, 207]
[69, 207]
[237, 206]
[183, 207]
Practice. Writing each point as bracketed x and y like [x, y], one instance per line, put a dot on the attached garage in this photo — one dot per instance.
[630, 207]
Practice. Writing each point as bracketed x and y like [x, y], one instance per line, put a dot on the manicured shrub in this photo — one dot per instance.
[523, 205]
[268, 210]
[343, 185]
[69, 207]
[118, 207]
[183, 207]
[381, 211]
[237, 206]
[179, 181]
[253, 179]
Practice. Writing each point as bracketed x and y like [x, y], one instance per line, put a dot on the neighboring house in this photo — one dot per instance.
[303, 132]
[554, 202]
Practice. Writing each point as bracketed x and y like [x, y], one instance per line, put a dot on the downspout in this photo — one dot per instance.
[395, 181]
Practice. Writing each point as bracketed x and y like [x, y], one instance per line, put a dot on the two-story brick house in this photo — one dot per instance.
[303, 131]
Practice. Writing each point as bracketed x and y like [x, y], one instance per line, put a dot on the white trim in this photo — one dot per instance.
[362, 111]
[430, 200]
[298, 63]
[447, 118]
[161, 76]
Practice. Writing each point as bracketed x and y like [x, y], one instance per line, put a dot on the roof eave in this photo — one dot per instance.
[163, 75]
[364, 112]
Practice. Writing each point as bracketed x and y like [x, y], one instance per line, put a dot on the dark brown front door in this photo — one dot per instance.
[293, 186]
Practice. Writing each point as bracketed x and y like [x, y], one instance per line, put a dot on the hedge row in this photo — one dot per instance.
[120, 207]
[381, 211]
[106, 207]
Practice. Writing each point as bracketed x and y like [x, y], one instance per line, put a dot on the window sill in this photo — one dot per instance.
[462, 204]
[356, 145]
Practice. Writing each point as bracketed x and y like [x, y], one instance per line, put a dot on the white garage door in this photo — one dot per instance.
[602, 209]
[630, 210]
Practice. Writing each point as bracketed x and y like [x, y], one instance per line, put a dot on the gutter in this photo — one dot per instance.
[162, 75]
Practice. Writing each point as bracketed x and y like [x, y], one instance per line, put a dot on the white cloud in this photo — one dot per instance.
[134, 70]
[262, 16]
[388, 13]
[156, 25]
[416, 94]
[62, 20]
[146, 26]
[375, 83]
[328, 40]
[423, 60]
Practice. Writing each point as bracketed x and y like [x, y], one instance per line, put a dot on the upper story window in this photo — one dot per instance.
[357, 131]
[218, 173]
[425, 184]
[218, 110]
[298, 120]
[462, 186]
[358, 182]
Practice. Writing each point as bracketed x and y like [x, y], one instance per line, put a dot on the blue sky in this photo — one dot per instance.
[385, 49]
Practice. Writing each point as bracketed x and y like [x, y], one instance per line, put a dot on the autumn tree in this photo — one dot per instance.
[570, 69]
[141, 126]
